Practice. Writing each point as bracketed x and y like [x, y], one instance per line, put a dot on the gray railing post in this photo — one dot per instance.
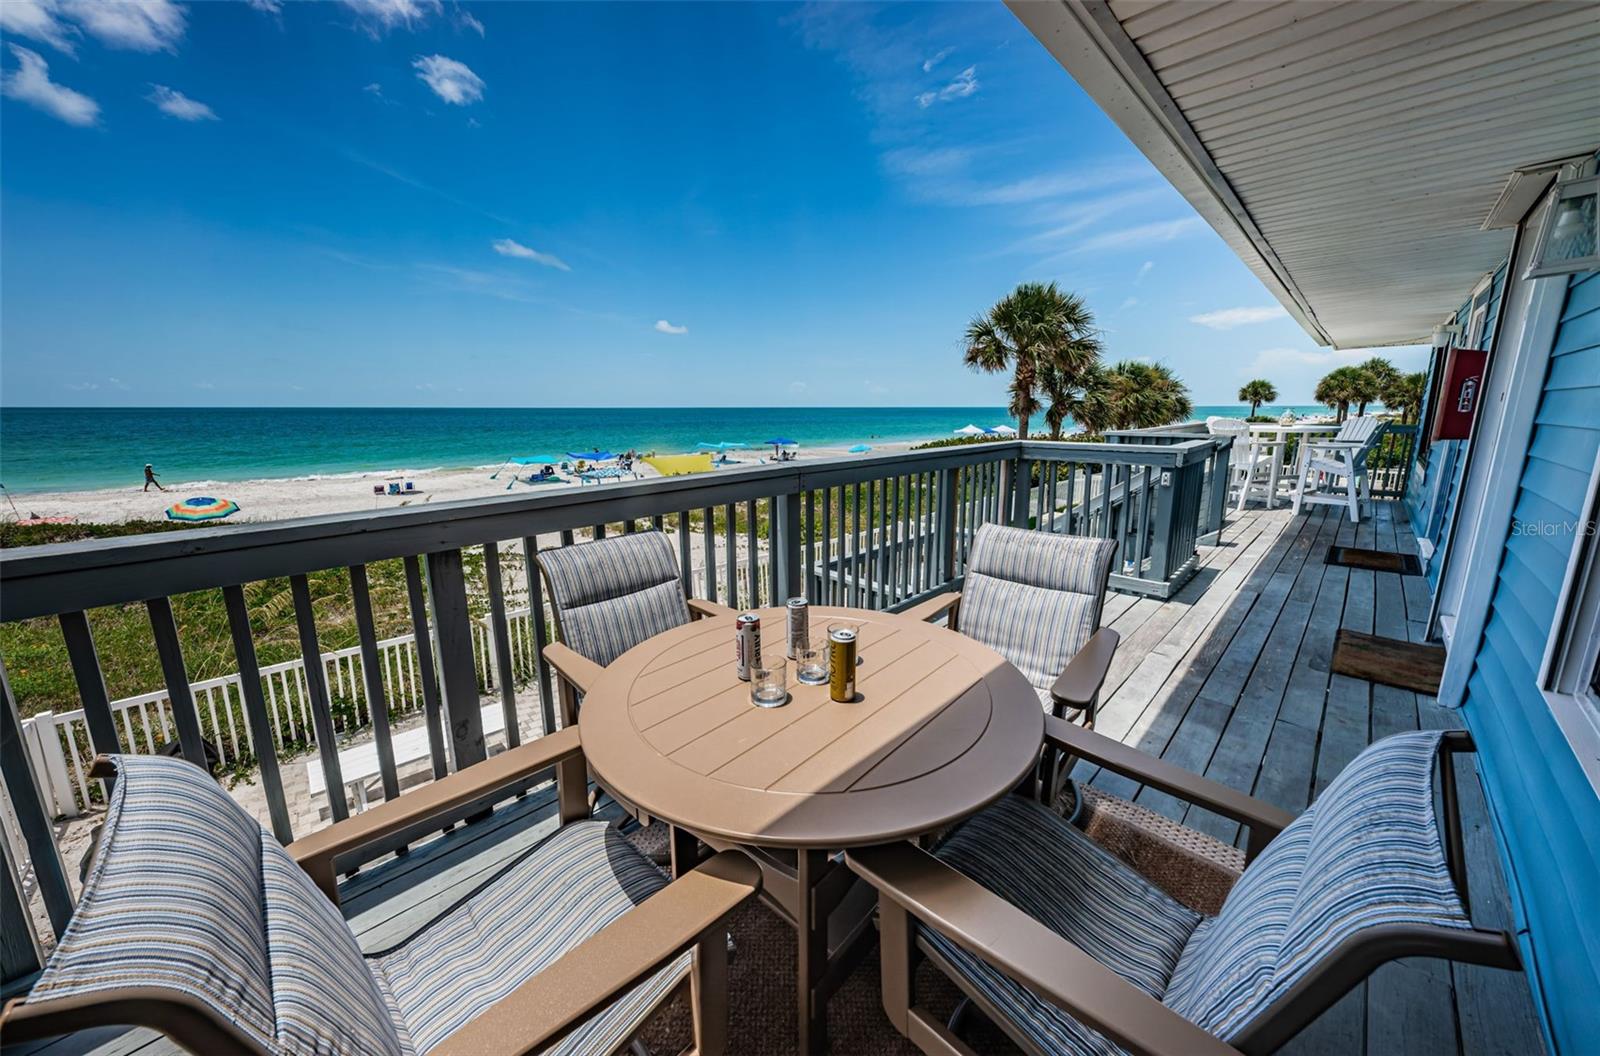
[785, 544]
[31, 816]
[458, 674]
[1164, 526]
[1217, 507]
[944, 528]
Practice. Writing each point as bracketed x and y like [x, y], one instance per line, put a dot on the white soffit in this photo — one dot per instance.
[1349, 151]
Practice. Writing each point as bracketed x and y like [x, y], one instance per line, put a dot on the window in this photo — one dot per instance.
[1480, 320]
[1570, 674]
[1568, 242]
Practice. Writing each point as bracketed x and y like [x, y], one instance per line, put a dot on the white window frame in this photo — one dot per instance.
[1477, 325]
[1574, 644]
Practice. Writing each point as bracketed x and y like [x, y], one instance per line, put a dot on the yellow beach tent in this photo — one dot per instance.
[677, 465]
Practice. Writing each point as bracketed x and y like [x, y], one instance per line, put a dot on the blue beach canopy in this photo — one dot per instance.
[722, 445]
[859, 449]
[537, 460]
[591, 456]
[782, 442]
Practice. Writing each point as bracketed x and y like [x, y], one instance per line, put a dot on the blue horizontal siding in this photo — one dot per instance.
[1545, 810]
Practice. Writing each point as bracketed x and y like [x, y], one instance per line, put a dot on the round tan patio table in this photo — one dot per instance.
[941, 726]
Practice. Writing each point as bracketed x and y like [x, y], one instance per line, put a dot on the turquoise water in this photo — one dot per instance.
[70, 449]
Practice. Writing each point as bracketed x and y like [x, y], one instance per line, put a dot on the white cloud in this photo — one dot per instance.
[797, 387]
[1142, 234]
[270, 7]
[935, 59]
[81, 386]
[465, 20]
[174, 103]
[450, 80]
[30, 83]
[205, 385]
[1127, 303]
[1144, 270]
[964, 84]
[1228, 318]
[37, 20]
[508, 247]
[664, 327]
[378, 17]
[149, 25]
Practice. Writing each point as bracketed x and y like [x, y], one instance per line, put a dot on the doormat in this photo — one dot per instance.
[1375, 560]
[1389, 661]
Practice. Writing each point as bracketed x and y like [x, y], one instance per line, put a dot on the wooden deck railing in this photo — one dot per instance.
[880, 532]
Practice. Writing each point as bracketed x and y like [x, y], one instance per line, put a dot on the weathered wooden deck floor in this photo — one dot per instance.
[1231, 679]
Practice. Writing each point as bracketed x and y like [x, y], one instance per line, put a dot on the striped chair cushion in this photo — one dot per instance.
[189, 894]
[612, 594]
[1365, 854]
[1034, 859]
[572, 885]
[1034, 597]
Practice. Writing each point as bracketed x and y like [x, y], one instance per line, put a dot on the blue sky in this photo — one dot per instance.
[393, 202]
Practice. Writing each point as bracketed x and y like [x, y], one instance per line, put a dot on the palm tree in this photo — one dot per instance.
[1257, 392]
[1404, 394]
[1139, 395]
[1340, 388]
[1079, 397]
[1379, 375]
[1035, 327]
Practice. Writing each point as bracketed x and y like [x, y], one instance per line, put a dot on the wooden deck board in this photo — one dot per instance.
[1231, 678]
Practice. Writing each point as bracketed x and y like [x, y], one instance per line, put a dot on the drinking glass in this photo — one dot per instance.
[811, 666]
[769, 681]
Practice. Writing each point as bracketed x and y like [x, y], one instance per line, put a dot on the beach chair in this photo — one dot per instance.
[196, 923]
[1068, 950]
[1334, 472]
[1249, 462]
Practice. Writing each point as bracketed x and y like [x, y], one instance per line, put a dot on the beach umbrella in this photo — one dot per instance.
[969, 430]
[537, 460]
[591, 456]
[1002, 430]
[780, 443]
[860, 449]
[201, 508]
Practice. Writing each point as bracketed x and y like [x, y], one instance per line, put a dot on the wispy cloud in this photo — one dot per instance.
[151, 25]
[38, 20]
[30, 83]
[410, 181]
[964, 84]
[1142, 234]
[464, 20]
[1144, 271]
[1127, 303]
[935, 59]
[450, 80]
[664, 327]
[1228, 318]
[269, 7]
[174, 103]
[468, 280]
[508, 247]
[378, 17]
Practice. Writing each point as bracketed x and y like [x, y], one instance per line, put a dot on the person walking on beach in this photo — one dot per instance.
[150, 478]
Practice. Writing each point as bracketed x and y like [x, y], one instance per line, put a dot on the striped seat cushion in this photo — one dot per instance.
[1367, 853]
[189, 894]
[1034, 597]
[612, 594]
[1034, 859]
[567, 889]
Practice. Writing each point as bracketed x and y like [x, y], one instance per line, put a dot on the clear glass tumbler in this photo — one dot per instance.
[769, 681]
[811, 666]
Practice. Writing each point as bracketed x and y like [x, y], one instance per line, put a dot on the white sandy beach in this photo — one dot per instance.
[279, 499]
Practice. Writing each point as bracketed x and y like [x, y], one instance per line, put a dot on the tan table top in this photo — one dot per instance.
[941, 727]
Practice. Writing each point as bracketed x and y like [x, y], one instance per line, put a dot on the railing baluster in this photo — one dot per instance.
[255, 710]
[541, 633]
[32, 818]
[880, 562]
[170, 652]
[433, 714]
[685, 557]
[730, 554]
[372, 673]
[317, 690]
[808, 535]
[829, 594]
[856, 557]
[91, 682]
[708, 531]
[752, 574]
[502, 641]
[458, 676]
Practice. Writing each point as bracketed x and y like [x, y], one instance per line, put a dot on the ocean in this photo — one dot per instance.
[73, 448]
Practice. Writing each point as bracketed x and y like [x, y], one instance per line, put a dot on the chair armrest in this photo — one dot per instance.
[1263, 819]
[318, 853]
[700, 609]
[1079, 682]
[934, 607]
[603, 967]
[988, 926]
[576, 668]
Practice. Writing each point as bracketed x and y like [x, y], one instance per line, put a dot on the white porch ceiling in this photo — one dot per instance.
[1348, 150]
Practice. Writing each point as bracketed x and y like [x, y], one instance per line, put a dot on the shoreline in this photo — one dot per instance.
[283, 498]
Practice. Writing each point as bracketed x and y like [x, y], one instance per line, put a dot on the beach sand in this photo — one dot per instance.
[272, 500]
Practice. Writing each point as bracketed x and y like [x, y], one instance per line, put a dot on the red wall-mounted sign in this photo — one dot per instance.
[1459, 395]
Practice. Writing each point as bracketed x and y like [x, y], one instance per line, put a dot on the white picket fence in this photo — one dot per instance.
[58, 743]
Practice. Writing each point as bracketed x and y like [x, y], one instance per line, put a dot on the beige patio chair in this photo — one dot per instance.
[196, 923]
[1334, 472]
[1069, 950]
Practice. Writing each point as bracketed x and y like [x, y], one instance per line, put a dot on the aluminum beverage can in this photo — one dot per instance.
[842, 664]
[746, 644]
[799, 626]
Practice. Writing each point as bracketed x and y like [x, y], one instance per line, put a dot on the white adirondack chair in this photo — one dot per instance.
[1249, 464]
[1334, 472]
